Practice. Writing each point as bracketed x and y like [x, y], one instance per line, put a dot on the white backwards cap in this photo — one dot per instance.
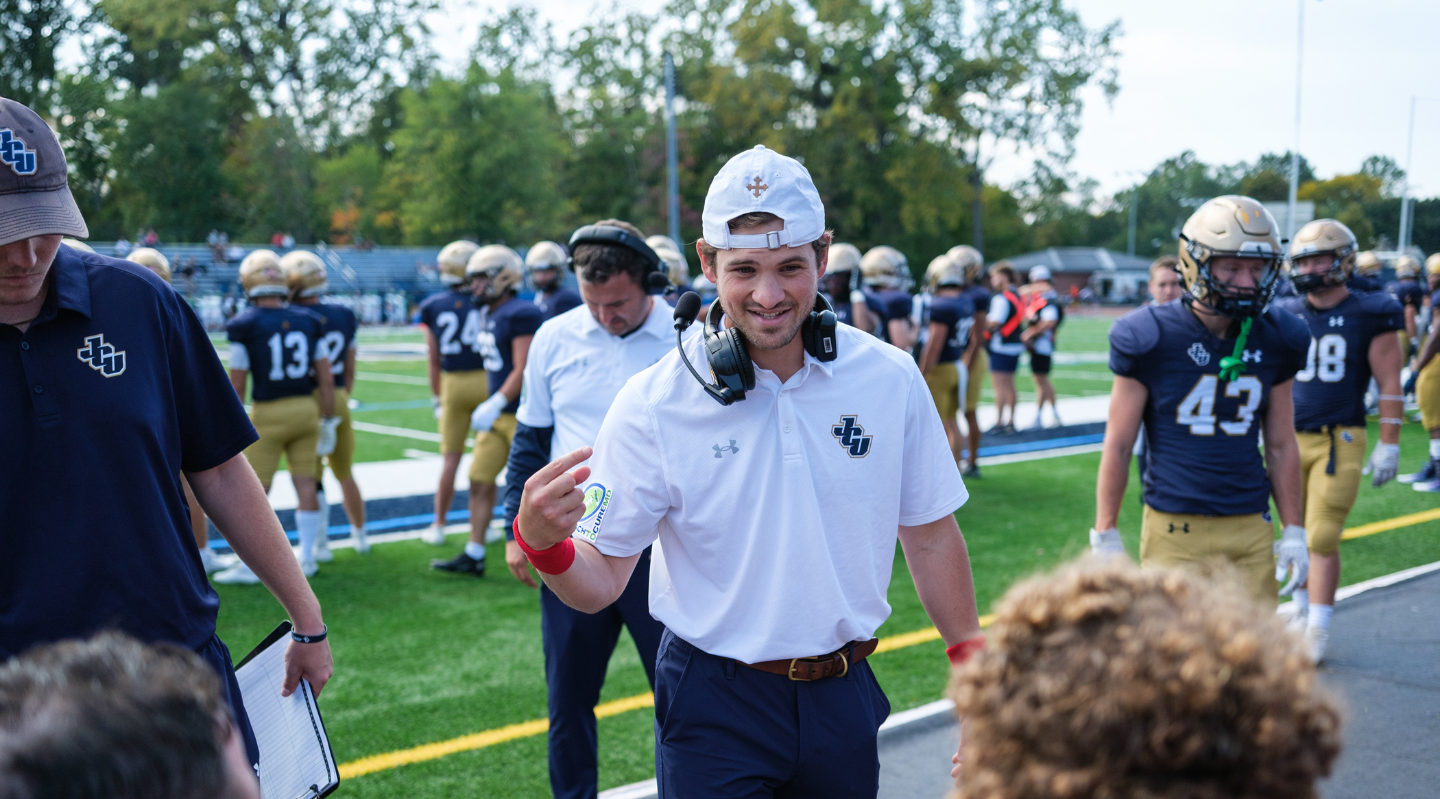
[763, 181]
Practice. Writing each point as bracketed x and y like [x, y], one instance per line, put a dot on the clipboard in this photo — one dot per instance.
[296, 761]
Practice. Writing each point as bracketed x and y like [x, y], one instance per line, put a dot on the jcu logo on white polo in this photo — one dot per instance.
[102, 357]
[852, 436]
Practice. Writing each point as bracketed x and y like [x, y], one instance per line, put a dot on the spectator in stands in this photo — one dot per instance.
[1165, 280]
[151, 238]
[111, 718]
[122, 247]
[1102, 680]
[1005, 319]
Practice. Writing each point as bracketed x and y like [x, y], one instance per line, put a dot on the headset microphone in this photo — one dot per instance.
[686, 309]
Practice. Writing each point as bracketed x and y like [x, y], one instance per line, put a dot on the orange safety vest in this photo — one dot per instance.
[1013, 323]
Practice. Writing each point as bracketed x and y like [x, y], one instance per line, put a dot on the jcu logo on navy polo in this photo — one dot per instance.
[852, 436]
[102, 357]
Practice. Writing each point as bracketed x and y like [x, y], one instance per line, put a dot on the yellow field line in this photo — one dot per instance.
[500, 735]
[526, 729]
[1391, 524]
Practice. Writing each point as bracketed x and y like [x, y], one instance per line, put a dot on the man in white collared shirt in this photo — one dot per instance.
[578, 361]
[776, 517]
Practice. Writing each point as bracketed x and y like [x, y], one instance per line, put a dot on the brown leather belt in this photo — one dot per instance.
[835, 664]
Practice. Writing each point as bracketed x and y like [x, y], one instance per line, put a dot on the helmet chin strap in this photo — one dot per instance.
[1233, 366]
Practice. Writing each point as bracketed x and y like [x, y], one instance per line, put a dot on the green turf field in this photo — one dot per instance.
[422, 656]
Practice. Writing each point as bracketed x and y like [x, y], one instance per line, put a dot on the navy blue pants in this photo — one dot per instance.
[577, 651]
[217, 655]
[725, 730]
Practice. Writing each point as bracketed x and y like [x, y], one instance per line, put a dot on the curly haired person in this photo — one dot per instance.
[1102, 680]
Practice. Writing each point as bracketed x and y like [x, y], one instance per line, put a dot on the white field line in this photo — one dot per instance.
[381, 377]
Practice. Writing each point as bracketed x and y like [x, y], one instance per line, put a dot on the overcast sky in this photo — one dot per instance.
[1216, 77]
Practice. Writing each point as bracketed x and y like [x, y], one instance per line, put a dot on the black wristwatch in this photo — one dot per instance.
[310, 639]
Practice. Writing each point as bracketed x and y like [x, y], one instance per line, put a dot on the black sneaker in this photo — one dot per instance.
[972, 472]
[461, 563]
[1430, 472]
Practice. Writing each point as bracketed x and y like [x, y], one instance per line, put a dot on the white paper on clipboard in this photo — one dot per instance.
[295, 757]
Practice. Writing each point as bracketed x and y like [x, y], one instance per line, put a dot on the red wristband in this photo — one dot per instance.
[551, 560]
[962, 651]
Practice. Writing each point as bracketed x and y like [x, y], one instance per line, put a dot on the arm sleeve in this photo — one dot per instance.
[535, 399]
[1296, 335]
[527, 321]
[999, 309]
[628, 492]
[212, 422]
[930, 484]
[899, 306]
[239, 356]
[529, 452]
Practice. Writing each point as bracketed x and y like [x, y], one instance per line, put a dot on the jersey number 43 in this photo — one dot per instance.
[1197, 410]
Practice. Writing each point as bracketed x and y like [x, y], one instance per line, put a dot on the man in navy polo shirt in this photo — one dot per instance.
[109, 390]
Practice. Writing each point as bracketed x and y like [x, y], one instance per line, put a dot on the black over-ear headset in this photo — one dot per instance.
[656, 280]
[725, 347]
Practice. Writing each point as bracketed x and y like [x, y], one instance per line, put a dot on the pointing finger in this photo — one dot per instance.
[547, 473]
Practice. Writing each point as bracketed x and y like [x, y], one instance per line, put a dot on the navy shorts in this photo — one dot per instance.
[217, 655]
[1039, 364]
[1000, 362]
[725, 731]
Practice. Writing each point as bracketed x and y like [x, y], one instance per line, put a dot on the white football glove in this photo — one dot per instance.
[857, 297]
[1292, 557]
[1106, 542]
[1384, 463]
[485, 415]
[326, 444]
[435, 403]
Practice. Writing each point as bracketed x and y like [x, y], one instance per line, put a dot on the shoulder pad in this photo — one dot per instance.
[1380, 304]
[1137, 332]
[1290, 329]
[1294, 305]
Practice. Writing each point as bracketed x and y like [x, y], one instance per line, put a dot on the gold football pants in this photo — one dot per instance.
[1245, 542]
[1328, 488]
[290, 425]
[460, 394]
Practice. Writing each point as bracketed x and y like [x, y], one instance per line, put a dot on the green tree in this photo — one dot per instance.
[30, 33]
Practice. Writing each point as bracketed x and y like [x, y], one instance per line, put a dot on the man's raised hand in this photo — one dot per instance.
[552, 502]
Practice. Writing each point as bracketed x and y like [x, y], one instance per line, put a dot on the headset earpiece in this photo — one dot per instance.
[818, 332]
[729, 361]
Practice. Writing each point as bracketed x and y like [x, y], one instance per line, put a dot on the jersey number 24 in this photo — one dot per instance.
[1197, 410]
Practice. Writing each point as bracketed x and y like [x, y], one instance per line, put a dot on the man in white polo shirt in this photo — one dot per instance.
[776, 516]
[578, 362]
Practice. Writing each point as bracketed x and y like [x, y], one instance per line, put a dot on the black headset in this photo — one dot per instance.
[725, 347]
[656, 280]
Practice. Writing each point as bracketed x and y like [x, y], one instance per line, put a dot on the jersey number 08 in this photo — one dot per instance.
[1325, 360]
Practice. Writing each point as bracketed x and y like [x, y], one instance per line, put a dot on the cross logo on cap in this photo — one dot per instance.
[16, 155]
[757, 187]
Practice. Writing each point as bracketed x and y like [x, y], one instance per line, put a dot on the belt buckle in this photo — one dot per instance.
[790, 673]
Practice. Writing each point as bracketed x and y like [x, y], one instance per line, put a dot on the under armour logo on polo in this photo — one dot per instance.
[1250, 356]
[102, 357]
[1337, 321]
[14, 153]
[757, 187]
[719, 450]
[1199, 354]
[852, 436]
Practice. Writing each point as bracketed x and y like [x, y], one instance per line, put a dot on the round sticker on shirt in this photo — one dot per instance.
[597, 500]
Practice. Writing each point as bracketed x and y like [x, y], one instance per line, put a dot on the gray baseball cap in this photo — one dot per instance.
[35, 197]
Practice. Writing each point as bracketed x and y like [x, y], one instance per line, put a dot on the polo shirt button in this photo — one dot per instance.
[39, 389]
[787, 428]
[24, 345]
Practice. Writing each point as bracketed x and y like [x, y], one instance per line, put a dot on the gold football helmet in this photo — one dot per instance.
[1231, 226]
[883, 267]
[1367, 263]
[969, 261]
[943, 271]
[151, 259]
[76, 244]
[1432, 264]
[453, 259]
[305, 272]
[261, 275]
[500, 265]
[669, 252]
[547, 255]
[843, 265]
[1323, 237]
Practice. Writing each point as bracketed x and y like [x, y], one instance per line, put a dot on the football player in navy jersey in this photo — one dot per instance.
[547, 263]
[887, 274]
[280, 345]
[1427, 385]
[306, 274]
[1366, 275]
[1209, 376]
[457, 372]
[951, 320]
[1407, 291]
[505, 328]
[676, 267]
[853, 305]
[1352, 335]
[976, 361]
